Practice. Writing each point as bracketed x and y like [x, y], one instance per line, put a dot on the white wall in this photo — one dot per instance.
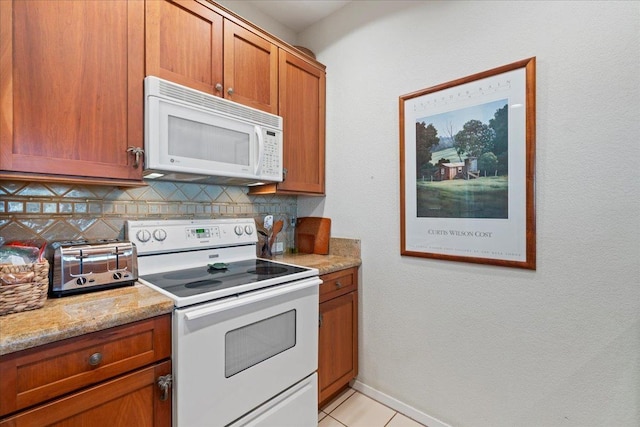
[476, 345]
[264, 21]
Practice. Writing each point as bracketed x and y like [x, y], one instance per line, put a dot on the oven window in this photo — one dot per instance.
[252, 344]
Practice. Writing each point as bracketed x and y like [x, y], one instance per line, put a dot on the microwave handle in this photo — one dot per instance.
[258, 131]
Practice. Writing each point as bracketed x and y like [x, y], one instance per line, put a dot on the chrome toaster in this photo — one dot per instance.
[80, 266]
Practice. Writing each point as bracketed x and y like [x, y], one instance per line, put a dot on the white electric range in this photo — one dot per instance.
[245, 329]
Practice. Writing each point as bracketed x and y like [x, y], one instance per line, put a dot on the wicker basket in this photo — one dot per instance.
[25, 296]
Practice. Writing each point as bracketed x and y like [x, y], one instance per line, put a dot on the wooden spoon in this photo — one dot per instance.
[277, 227]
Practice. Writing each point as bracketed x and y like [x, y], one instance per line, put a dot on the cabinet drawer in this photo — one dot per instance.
[338, 283]
[133, 399]
[39, 374]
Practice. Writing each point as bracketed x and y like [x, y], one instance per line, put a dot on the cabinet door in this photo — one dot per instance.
[35, 375]
[131, 400]
[71, 87]
[338, 344]
[302, 106]
[250, 69]
[184, 44]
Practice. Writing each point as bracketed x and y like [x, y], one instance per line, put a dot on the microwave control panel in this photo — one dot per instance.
[271, 166]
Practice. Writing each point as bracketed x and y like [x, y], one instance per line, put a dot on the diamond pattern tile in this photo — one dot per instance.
[236, 194]
[12, 187]
[100, 230]
[53, 211]
[37, 225]
[35, 190]
[60, 230]
[213, 191]
[143, 193]
[101, 192]
[82, 224]
[166, 190]
[81, 193]
[190, 190]
[15, 231]
[59, 189]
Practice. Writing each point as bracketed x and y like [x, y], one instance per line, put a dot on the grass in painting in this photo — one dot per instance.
[447, 153]
[485, 197]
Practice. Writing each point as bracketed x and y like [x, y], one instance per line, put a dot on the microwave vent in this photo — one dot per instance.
[225, 106]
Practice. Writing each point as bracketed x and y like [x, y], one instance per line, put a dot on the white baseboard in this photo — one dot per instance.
[396, 405]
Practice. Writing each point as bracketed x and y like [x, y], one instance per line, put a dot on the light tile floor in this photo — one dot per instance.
[354, 409]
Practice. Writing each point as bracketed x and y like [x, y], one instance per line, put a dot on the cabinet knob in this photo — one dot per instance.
[230, 91]
[338, 285]
[95, 359]
[218, 87]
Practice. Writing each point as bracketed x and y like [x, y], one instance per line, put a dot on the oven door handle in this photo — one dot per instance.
[252, 298]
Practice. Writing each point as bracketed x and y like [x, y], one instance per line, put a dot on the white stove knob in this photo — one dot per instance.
[248, 229]
[143, 235]
[238, 230]
[159, 234]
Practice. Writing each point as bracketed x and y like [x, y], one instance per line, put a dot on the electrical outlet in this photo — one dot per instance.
[293, 221]
[279, 247]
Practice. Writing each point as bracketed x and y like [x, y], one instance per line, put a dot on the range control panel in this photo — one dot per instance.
[156, 236]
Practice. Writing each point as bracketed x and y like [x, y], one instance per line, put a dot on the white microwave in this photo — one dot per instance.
[197, 137]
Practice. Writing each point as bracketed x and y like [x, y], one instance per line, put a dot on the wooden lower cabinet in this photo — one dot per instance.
[107, 378]
[130, 400]
[338, 333]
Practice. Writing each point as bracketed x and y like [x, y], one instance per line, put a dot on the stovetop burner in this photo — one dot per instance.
[199, 284]
[268, 270]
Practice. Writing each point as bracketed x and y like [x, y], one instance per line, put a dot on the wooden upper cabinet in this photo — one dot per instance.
[71, 88]
[189, 43]
[250, 69]
[302, 107]
[184, 44]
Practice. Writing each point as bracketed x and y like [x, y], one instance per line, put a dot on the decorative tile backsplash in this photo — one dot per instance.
[53, 211]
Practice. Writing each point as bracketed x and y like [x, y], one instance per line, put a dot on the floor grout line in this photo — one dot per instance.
[392, 417]
[328, 414]
[342, 403]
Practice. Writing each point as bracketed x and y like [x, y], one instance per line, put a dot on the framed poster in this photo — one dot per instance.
[467, 168]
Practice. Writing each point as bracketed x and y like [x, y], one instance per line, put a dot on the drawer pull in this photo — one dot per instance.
[164, 382]
[95, 359]
[338, 285]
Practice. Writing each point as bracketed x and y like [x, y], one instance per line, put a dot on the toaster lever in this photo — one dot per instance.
[81, 274]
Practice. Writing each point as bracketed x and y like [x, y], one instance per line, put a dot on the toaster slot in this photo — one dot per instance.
[122, 265]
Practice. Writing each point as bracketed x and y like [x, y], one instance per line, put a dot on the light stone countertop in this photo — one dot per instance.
[72, 316]
[76, 315]
[324, 263]
[343, 253]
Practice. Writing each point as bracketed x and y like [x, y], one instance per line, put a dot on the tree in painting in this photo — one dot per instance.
[475, 184]
[500, 125]
[474, 139]
[426, 140]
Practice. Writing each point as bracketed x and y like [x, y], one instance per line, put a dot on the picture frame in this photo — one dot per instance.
[467, 168]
